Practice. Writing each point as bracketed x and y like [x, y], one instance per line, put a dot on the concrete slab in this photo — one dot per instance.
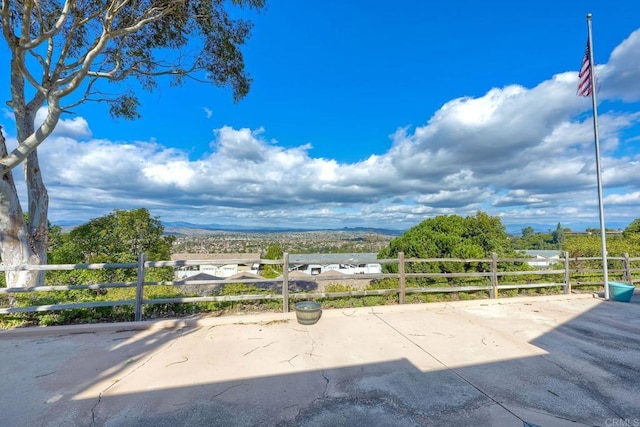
[547, 361]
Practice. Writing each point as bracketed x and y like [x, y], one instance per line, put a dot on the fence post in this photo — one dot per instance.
[403, 283]
[626, 265]
[494, 275]
[140, 287]
[567, 277]
[285, 282]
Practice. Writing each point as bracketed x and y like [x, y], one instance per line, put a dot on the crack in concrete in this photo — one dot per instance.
[338, 406]
[450, 369]
[149, 358]
[251, 351]
[326, 387]
[260, 346]
[184, 359]
[551, 415]
[313, 346]
[577, 379]
[289, 360]
[226, 390]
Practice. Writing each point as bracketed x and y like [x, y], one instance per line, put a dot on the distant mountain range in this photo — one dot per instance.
[185, 228]
[181, 227]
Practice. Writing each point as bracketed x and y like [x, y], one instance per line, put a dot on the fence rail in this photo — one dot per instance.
[493, 276]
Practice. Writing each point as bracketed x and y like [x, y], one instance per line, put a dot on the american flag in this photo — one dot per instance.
[584, 84]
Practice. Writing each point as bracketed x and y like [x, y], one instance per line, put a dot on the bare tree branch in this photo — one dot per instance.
[54, 30]
[20, 153]
[116, 41]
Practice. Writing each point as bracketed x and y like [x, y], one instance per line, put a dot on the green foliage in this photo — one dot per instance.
[233, 289]
[271, 271]
[451, 237]
[559, 236]
[633, 228]
[274, 252]
[442, 233]
[527, 232]
[67, 316]
[126, 107]
[386, 283]
[240, 289]
[353, 302]
[419, 298]
[338, 287]
[142, 40]
[119, 237]
[531, 240]
[125, 313]
[510, 293]
[587, 246]
[591, 245]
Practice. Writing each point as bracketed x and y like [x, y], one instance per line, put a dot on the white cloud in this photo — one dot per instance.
[525, 154]
[455, 198]
[631, 199]
[619, 77]
[76, 127]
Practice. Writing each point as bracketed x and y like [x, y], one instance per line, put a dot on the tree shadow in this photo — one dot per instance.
[366, 367]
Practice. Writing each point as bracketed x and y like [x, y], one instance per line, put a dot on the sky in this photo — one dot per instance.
[374, 114]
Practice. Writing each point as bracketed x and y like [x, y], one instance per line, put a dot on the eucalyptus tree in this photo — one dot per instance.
[60, 53]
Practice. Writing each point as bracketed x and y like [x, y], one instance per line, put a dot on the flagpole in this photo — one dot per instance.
[603, 236]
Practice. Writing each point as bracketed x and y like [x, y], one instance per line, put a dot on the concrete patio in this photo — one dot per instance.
[546, 361]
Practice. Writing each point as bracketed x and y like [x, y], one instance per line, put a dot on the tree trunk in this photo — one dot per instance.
[38, 229]
[15, 245]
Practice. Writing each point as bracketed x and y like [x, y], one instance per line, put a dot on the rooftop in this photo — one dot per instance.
[346, 258]
[215, 257]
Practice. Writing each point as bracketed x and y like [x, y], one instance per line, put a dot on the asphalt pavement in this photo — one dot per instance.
[540, 361]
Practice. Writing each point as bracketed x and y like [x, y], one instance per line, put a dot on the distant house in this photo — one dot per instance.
[543, 259]
[346, 263]
[219, 265]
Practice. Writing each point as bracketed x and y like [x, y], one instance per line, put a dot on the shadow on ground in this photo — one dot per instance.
[521, 363]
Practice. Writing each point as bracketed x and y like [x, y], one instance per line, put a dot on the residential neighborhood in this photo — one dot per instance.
[223, 266]
[542, 258]
[220, 266]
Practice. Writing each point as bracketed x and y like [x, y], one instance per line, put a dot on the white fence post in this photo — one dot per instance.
[285, 282]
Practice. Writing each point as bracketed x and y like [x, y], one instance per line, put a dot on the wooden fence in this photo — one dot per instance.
[574, 272]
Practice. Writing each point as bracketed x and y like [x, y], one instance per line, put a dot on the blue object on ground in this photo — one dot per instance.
[620, 291]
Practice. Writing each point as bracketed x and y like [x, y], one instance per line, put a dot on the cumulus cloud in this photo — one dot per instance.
[619, 77]
[76, 127]
[631, 200]
[525, 154]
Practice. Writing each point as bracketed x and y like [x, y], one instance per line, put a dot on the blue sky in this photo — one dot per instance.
[375, 114]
